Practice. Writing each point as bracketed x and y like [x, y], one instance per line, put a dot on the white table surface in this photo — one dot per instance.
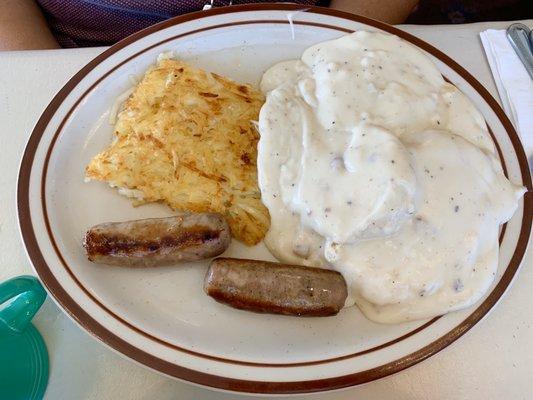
[492, 361]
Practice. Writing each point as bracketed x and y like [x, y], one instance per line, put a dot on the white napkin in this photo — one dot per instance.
[514, 84]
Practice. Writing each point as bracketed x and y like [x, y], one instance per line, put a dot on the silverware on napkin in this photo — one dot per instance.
[521, 39]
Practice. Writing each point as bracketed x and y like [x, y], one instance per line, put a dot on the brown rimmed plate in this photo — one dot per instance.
[160, 317]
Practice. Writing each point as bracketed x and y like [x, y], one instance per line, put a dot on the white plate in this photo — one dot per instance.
[160, 317]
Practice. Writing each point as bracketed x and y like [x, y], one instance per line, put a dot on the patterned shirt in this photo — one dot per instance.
[77, 23]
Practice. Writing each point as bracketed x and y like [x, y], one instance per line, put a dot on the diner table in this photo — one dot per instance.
[492, 361]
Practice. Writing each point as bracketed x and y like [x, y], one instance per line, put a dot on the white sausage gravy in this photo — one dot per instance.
[371, 164]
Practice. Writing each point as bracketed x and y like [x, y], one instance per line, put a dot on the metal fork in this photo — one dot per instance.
[521, 38]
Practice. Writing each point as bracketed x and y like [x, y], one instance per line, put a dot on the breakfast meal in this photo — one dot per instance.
[372, 180]
[158, 241]
[185, 137]
[275, 288]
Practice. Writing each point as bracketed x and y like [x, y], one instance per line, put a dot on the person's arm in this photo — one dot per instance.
[23, 27]
[390, 11]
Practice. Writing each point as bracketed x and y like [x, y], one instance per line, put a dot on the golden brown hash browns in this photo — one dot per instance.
[185, 137]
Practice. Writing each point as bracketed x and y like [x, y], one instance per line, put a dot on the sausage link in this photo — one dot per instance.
[274, 288]
[158, 241]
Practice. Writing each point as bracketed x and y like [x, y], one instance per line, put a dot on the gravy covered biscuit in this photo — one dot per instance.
[373, 165]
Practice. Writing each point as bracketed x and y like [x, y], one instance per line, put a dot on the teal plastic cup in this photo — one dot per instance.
[23, 354]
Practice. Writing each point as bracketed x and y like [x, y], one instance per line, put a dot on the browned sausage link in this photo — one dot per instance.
[158, 241]
[274, 288]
